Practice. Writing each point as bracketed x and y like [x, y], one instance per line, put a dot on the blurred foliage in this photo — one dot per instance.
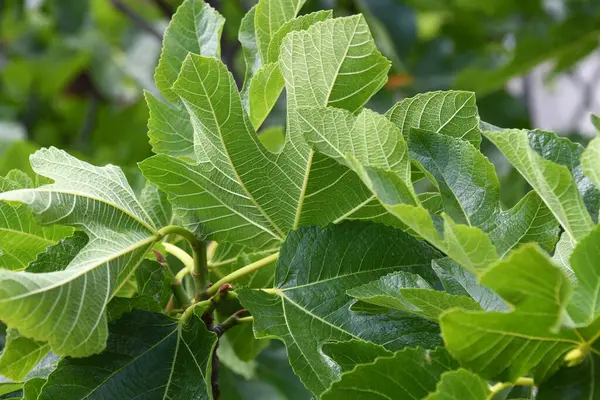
[73, 72]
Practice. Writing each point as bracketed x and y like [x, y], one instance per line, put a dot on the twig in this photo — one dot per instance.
[137, 19]
[164, 7]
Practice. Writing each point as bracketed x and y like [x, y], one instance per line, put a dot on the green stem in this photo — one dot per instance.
[200, 270]
[182, 256]
[200, 266]
[190, 310]
[263, 262]
[245, 320]
[498, 387]
[178, 289]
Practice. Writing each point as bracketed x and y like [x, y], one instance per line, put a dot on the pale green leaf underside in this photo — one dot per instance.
[590, 161]
[270, 16]
[238, 191]
[67, 308]
[451, 113]
[195, 28]
[22, 238]
[266, 84]
[20, 355]
[585, 305]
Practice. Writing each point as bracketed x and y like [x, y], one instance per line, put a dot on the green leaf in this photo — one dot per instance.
[22, 238]
[595, 121]
[270, 16]
[57, 257]
[300, 23]
[410, 373]
[32, 388]
[459, 281]
[247, 38]
[153, 292]
[585, 304]
[573, 383]
[529, 221]
[267, 82]
[351, 353]
[553, 183]
[100, 202]
[451, 113]
[264, 90]
[469, 246]
[316, 267]
[255, 203]
[466, 179]
[195, 28]
[348, 138]
[20, 355]
[506, 346]
[169, 129]
[272, 138]
[156, 204]
[460, 384]
[10, 387]
[411, 293]
[562, 151]
[160, 356]
[590, 160]
[334, 77]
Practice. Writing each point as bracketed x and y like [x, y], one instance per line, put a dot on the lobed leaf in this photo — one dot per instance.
[67, 308]
[195, 28]
[410, 373]
[22, 238]
[409, 292]
[506, 346]
[553, 183]
[148, 354]
[460, 384]
[239, 190]
[20, 355]
[452, 113]
[316, 267]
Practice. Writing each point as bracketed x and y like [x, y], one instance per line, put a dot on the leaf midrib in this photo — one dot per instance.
[98, 199]
[129, 363]
[230, 162]
[82, 271]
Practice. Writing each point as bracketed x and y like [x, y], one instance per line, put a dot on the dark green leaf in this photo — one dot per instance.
[410, 373]
[315, 269]
[147, 354]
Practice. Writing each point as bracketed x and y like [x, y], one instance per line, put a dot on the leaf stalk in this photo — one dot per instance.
[263, 262]
[199, 270]
[498, 387]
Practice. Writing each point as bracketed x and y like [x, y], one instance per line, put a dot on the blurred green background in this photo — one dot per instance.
[73, 72]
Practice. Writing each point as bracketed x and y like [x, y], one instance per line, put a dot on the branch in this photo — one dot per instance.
[136, 18]
[164, 7]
